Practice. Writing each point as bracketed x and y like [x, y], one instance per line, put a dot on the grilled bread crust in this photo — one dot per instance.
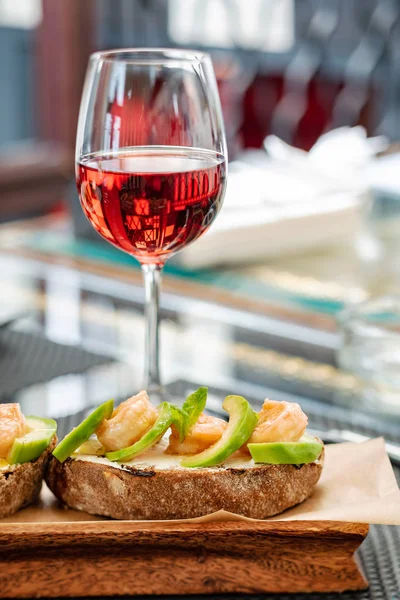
[20, 485]
[149, 493]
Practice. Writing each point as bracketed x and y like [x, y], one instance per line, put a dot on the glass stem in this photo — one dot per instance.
[152, 281]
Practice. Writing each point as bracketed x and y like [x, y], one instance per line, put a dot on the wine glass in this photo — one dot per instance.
[150, 161]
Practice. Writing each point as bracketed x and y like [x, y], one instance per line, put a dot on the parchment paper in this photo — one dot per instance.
[357, 485]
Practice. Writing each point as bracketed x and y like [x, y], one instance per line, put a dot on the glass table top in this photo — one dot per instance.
[97, 309]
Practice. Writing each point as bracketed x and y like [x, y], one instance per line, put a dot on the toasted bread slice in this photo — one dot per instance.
[20, 485]
[100, 487]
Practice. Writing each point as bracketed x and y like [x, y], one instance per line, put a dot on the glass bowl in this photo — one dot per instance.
[370, 347]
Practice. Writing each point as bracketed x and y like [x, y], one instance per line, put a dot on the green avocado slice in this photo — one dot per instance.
[192, 409]
[83, 431]
[180, 418]
[31, 445]
[306, 450]
[168, 414]
[242, 420]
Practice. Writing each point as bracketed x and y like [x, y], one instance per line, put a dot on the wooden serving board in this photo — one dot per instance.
[110, 558]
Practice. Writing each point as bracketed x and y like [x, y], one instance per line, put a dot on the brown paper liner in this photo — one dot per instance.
[357, 485]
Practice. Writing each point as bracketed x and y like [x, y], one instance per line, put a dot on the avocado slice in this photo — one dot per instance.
[80, 434]
[242, 420]
[168, 414]
[306, 450]
[192, 409]
[31, 445]
[180, 418]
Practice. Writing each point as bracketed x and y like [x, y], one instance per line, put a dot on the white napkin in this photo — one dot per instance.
[288, 200]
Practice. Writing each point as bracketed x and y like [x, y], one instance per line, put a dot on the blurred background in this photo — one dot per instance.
[310, 92]
[293, 68]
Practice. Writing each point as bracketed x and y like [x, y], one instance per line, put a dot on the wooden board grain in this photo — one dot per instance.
[110, 558]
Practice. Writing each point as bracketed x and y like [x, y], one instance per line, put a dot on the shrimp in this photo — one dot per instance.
[204, 433]
[128, 423]
[12, 425]
[279, 422]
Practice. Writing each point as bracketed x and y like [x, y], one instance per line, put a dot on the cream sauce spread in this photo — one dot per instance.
[157, 459]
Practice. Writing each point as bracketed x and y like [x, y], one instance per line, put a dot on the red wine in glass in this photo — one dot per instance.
[151, 162]
[151, 201]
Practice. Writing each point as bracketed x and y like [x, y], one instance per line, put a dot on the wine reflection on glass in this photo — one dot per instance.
[151, 161]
